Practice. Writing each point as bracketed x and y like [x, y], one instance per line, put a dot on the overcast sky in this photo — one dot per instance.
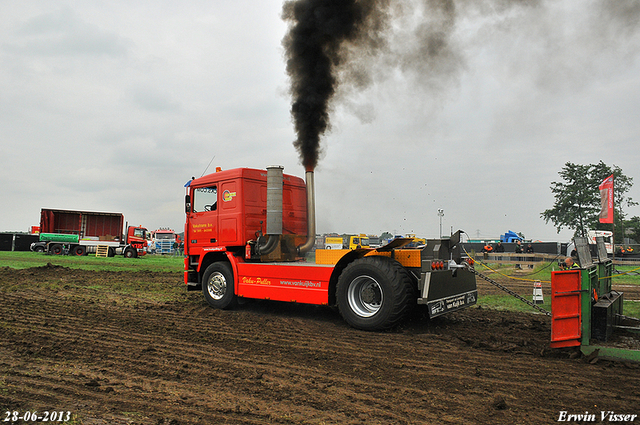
[113, 106]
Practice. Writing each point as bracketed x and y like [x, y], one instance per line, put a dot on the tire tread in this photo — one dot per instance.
[401, 286]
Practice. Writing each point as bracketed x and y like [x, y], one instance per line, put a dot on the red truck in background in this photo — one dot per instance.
[164, 240]
[247, 233]
[82, 232]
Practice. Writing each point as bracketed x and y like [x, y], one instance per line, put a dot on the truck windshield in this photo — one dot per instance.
[205, 199]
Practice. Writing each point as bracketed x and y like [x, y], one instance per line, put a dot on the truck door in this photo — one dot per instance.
[203, 218]
[229, 213]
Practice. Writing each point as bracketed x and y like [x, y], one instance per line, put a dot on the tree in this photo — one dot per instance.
[577, 199]
[386, 236]
[632, 227]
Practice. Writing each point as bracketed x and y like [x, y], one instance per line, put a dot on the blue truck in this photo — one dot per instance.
[510, 236]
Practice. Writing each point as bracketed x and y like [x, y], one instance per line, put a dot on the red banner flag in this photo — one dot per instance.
[606, 200]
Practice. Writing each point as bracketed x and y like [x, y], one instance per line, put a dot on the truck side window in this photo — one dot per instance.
[205, 199]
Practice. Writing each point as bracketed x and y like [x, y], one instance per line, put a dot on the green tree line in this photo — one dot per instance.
[577, 201]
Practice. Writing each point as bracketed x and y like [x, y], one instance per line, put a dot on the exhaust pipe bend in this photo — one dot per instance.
[268, 247]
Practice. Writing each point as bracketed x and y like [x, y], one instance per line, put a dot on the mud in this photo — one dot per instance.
[136, 348]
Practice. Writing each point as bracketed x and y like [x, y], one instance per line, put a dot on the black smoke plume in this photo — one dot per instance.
[315, 46]
[350, 44]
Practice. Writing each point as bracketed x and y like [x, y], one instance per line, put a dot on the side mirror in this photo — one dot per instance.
[187, 204]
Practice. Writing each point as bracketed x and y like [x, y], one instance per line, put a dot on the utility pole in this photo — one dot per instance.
[440, 214]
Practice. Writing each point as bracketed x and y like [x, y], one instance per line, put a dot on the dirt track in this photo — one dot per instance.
[124, 348]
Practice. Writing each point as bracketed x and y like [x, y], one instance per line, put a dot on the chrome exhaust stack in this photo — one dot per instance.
[274, 209]
[311, 215]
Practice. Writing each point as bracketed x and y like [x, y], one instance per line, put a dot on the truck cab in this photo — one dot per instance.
[164, 240]
[360, 241]
[136, 239]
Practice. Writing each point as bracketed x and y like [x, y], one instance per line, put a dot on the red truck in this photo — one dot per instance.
[247, 233]
[82, 232]
[164, 241]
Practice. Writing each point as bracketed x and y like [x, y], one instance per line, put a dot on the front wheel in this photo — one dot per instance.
[130, 253]
[217, 286]
[375, 293]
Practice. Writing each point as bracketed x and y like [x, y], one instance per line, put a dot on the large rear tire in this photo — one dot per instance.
[375, 293]
[217, 286]
[56, 249]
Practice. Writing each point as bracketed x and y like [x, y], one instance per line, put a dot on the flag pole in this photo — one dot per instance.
[613, 223]
[607, 212]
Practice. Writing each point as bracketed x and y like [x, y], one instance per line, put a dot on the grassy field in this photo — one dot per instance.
[168, 263]
[156, 263]
[623, 275]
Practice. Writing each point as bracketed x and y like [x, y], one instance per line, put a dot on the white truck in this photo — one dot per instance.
[591, 237]
[608, 238]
